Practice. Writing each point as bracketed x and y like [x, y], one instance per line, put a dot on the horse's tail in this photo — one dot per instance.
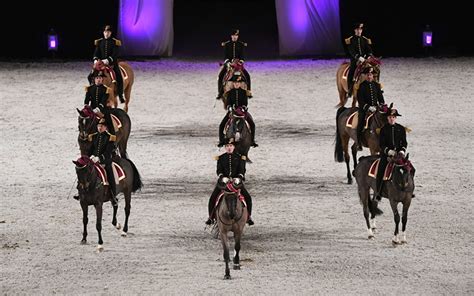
[137, 181]
[373, 207]
[338, 150]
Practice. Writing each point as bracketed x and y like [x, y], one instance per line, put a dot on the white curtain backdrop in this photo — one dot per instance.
[146, 27]
[309, 27]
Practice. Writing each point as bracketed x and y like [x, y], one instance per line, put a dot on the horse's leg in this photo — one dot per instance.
[128, 199]
[225, 245]
[406, 206]
[128, 92]
[347, 157]
[364, 194]
[114, 218]
[98, 226]
[354, 154]
[396, 217]
[237, 237]
[85, 220]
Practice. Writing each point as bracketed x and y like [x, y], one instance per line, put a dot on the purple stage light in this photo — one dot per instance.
[427, 37]
[52, 40]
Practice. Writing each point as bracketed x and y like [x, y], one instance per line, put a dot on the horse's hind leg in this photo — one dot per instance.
[85, 220]
[225, 246]
[347, 157]
[354, 154]
[98, 226]
[114, 218]
[128, 199]
[396, 217]
[128, 92]
[237, 237]
[364, 194]
[406, 206]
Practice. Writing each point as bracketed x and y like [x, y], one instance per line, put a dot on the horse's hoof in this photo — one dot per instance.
[236, 266]
[349, 181]
[353, 173]
[118, 226]
[100, 248]
[371, 237]
[227, 277]
[123, 234]
[83, 242]
[396, 242]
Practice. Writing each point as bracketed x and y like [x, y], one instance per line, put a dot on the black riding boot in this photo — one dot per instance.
[248, 201]
[360, 129]
[220, 86]
[111, 179]
[211, 205]
[221, 131]
[379, 178]
[118, 75]
[252, 130]
[108, 122]
[247, 80]
[350, 78]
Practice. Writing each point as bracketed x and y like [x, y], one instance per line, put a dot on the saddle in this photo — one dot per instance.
[375, 166]
[119, 173]
[353, 120]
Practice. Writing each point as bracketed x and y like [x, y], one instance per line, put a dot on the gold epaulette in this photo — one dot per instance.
[348, 40]
[408, 130]
[244, 43]
[368, 40]
[216, 157]
[112, 138]
[243, 157]
[381, 85]
[224, 43]
[117, 42]
[96, 42]
[107, 89]
[90, 136]
[377, 131]
[87, 88]
[249, 93]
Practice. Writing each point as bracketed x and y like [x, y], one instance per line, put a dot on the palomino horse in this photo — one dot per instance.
[128, 79]
[346, 128]
[239, 130]
[341, 79]
[398, 189]
[92, 191]
[231, 216]
[88, 125]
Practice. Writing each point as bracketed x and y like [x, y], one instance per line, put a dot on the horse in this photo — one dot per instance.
[128, 80]
[342, 83]
[399, 189]
[92, 191]
[345, 132]
[239, 130]
[231, 216]
[87, 120]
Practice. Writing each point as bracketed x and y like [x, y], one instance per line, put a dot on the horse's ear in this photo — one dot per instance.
[75, 162]
[79, 111]
[391, 105]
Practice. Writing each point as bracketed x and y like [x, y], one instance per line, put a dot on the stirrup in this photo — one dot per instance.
[209, 221]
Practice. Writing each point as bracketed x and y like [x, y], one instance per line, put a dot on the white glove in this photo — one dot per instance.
[361, 59]
[391, 152]
[237, 181]
[105, 61]
[372, 108]
[225, 180]
[94, 158]
[96, 110]
[402, 153]
[230, 108]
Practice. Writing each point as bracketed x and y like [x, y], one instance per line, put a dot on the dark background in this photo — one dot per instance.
[395, 27]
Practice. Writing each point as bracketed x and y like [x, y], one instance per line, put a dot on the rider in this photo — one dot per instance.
[236, 97]
[233, 49]
[369, 96]
[106, 49]
[102, 151]
[230, 165]
[359, 49]
[392, 141]
[97, 96]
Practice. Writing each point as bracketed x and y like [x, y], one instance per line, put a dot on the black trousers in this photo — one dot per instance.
[379, 180]
[360, 125]
[215, 194]
[350, 75]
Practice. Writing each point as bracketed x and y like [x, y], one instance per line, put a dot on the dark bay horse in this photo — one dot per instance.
[93, 192]
[88, 125]
[128, 79]
[399, 189]
[231, 216]
[341, 79]
[239, 130]
[344, 133]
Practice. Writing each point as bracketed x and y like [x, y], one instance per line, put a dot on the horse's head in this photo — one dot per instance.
[85, 173]
[403, 173]
[86, 121]
[231, 196]
[236, 65]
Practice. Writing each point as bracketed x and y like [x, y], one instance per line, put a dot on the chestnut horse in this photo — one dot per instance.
[341, 79]
[128, 79]
[234, 67]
